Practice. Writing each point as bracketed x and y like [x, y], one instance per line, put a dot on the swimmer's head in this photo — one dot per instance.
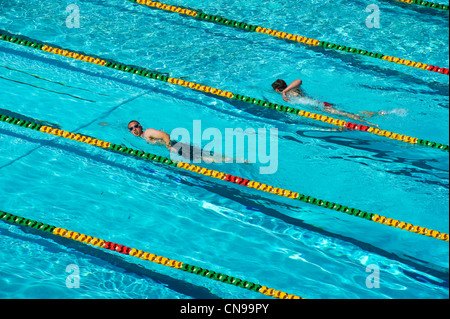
[279, 85]
[135, 128]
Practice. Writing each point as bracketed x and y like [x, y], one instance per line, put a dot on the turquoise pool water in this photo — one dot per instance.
[277, 242]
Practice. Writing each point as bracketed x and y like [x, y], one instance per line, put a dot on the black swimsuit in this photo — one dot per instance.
[192, 153]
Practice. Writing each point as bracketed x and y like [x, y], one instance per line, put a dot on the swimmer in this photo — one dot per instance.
[189, 152]
[293, 90]
[150, 135]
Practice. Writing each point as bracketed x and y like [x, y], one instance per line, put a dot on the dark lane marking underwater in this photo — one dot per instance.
[38, 87]
[59, 83]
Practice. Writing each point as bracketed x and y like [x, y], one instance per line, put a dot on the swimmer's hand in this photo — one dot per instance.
[285, 96]
[172, 149]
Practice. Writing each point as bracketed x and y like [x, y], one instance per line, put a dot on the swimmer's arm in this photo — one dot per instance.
[159, 136]
[295, 84]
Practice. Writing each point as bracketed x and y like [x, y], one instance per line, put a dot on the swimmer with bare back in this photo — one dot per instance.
[293, 90]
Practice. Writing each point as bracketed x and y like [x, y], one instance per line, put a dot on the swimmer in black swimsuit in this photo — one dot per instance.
[188, 152]
[294, 89]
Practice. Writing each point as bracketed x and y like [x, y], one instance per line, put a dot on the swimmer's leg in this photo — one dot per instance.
[368, 113]
[371, 114]
[217, 158]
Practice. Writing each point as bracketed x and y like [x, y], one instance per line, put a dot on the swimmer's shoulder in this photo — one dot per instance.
[297, 92]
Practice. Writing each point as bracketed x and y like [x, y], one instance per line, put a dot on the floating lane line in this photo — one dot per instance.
[428, 4]
[288, 36]
[229, 178]
[86, 239]
[226, 94]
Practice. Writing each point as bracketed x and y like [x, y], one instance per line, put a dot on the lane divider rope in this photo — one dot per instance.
[427, 4]
[222, 93]
[288, 36]
[145, 256]
[229, 178]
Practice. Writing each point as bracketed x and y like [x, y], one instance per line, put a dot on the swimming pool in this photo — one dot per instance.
[278, 242]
